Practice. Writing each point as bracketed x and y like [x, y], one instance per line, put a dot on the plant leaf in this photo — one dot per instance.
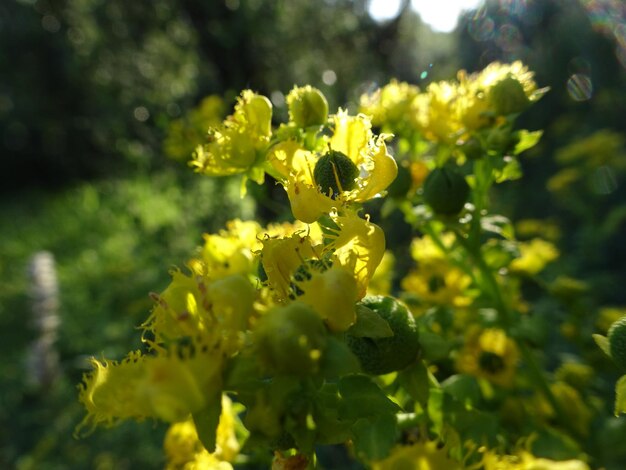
[206, 421]
[369, 324]
[620, 396]
[603, 343]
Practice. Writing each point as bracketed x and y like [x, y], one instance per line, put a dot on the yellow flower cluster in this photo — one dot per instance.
[235, 146]
[447, 111]
[435, 280]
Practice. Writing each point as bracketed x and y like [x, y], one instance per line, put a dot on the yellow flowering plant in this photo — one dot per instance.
[293, 336]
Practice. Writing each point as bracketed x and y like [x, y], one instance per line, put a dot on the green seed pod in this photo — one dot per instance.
[289, 340]
[307, 106]
[334, 172]
[446, 191]
[383, 355]
[617, 342]
[508, 97]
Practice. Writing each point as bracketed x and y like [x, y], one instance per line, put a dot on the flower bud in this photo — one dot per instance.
[472, 149]
[508, 97]
[307, 106]
[383, 355]
[334, 173]
[402, 184]
[617, 342]
[446, 191]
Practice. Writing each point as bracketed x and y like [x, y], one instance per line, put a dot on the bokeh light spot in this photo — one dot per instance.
[384, 10]
[141, 113]
[50, 23]
[329, 77]
[278, 99]
[579, 87]
[481, 29]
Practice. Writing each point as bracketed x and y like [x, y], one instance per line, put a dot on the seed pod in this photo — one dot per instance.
[334, 172]
[307, 106]
[383, 355]
[446, 191]
[617, 342]
[508, 97]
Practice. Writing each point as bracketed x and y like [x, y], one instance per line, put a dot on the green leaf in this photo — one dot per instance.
[416, 382]
[338, 360]
[434, 347]
[620, 396]
[510, 171]
[374, 438]
[499, 253]
[526, 141]
[435, 409]
[472, 425]
[330, 429]
[464, 388]
[206, 421]
[369, 324]
[554, 444]
[603, 343]
[362, 398]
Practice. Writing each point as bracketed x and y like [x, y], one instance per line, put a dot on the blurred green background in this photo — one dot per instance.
[88, 89]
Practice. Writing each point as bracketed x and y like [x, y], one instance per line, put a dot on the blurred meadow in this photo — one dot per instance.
[101, 103]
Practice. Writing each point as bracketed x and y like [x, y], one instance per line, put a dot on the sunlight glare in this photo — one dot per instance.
[442, 16]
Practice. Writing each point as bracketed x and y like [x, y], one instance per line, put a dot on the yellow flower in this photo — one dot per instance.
[496, 72]
[380, 284]
[435, 280]
[419, 456]
[352, 137]
[192, 305]
[437, 112]
[235, 145]
[332, 294]
[489, 354]
[183, 449]
[230, 251]
[438, 283]
[167, 386]
[359, 246]
[534, 256]
[524, 460]
[390, 105]
[185, 134]
[281, 257]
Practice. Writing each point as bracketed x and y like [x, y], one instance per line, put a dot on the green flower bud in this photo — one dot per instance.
[289, 340]
[334, 172]
[617, 342]
[402, 184]
[472, 149]
[383, 355]
[508, 97]
[307, 106]
[446, 191]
